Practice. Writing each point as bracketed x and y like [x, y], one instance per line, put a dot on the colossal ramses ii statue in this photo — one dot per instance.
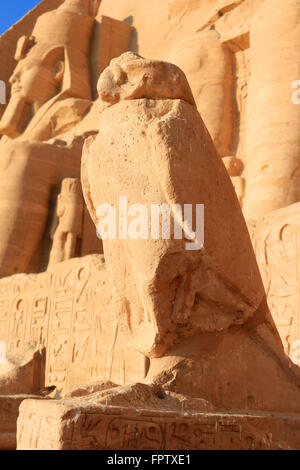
[50, 94]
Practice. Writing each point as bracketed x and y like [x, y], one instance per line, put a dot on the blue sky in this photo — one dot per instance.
[13, 10]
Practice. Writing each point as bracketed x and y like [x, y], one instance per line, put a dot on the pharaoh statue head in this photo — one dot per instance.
[52, 66]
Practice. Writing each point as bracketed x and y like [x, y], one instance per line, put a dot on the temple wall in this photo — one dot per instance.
[67, 309]
[276, 240]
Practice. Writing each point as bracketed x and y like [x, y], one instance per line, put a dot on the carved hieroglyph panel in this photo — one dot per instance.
[53, 426]
[276, 240]
[67, 309]
[241, 80]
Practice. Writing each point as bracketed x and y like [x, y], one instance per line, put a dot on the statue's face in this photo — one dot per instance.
[36, 79]
[33, 81]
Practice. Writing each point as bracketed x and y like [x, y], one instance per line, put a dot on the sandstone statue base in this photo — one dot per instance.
[9, 410]
[82, 424]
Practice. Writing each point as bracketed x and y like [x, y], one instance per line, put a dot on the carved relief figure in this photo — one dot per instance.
[275, 239]
[67, 228]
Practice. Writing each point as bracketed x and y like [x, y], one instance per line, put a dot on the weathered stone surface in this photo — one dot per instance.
[9, 412]
[21, 376]
[51, 93]
[208, 66]
[86, 425]
[202, 339]
[235, 167]
[23, 372]
[68, 310]
[276, 243]
[131, 77]
[67, 229]
[164, 154]
[194, 313]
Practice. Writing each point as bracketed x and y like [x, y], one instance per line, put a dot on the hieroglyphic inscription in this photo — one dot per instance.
[40, 318]
[68, 310]
[81, 328]
[60, 328]
[118, 429]
[276, 241]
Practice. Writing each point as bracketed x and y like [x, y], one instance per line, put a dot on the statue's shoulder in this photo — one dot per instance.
[58, 118]
[67, 113]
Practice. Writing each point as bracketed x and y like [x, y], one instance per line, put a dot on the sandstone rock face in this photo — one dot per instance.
[167, 340]
[68, 310]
